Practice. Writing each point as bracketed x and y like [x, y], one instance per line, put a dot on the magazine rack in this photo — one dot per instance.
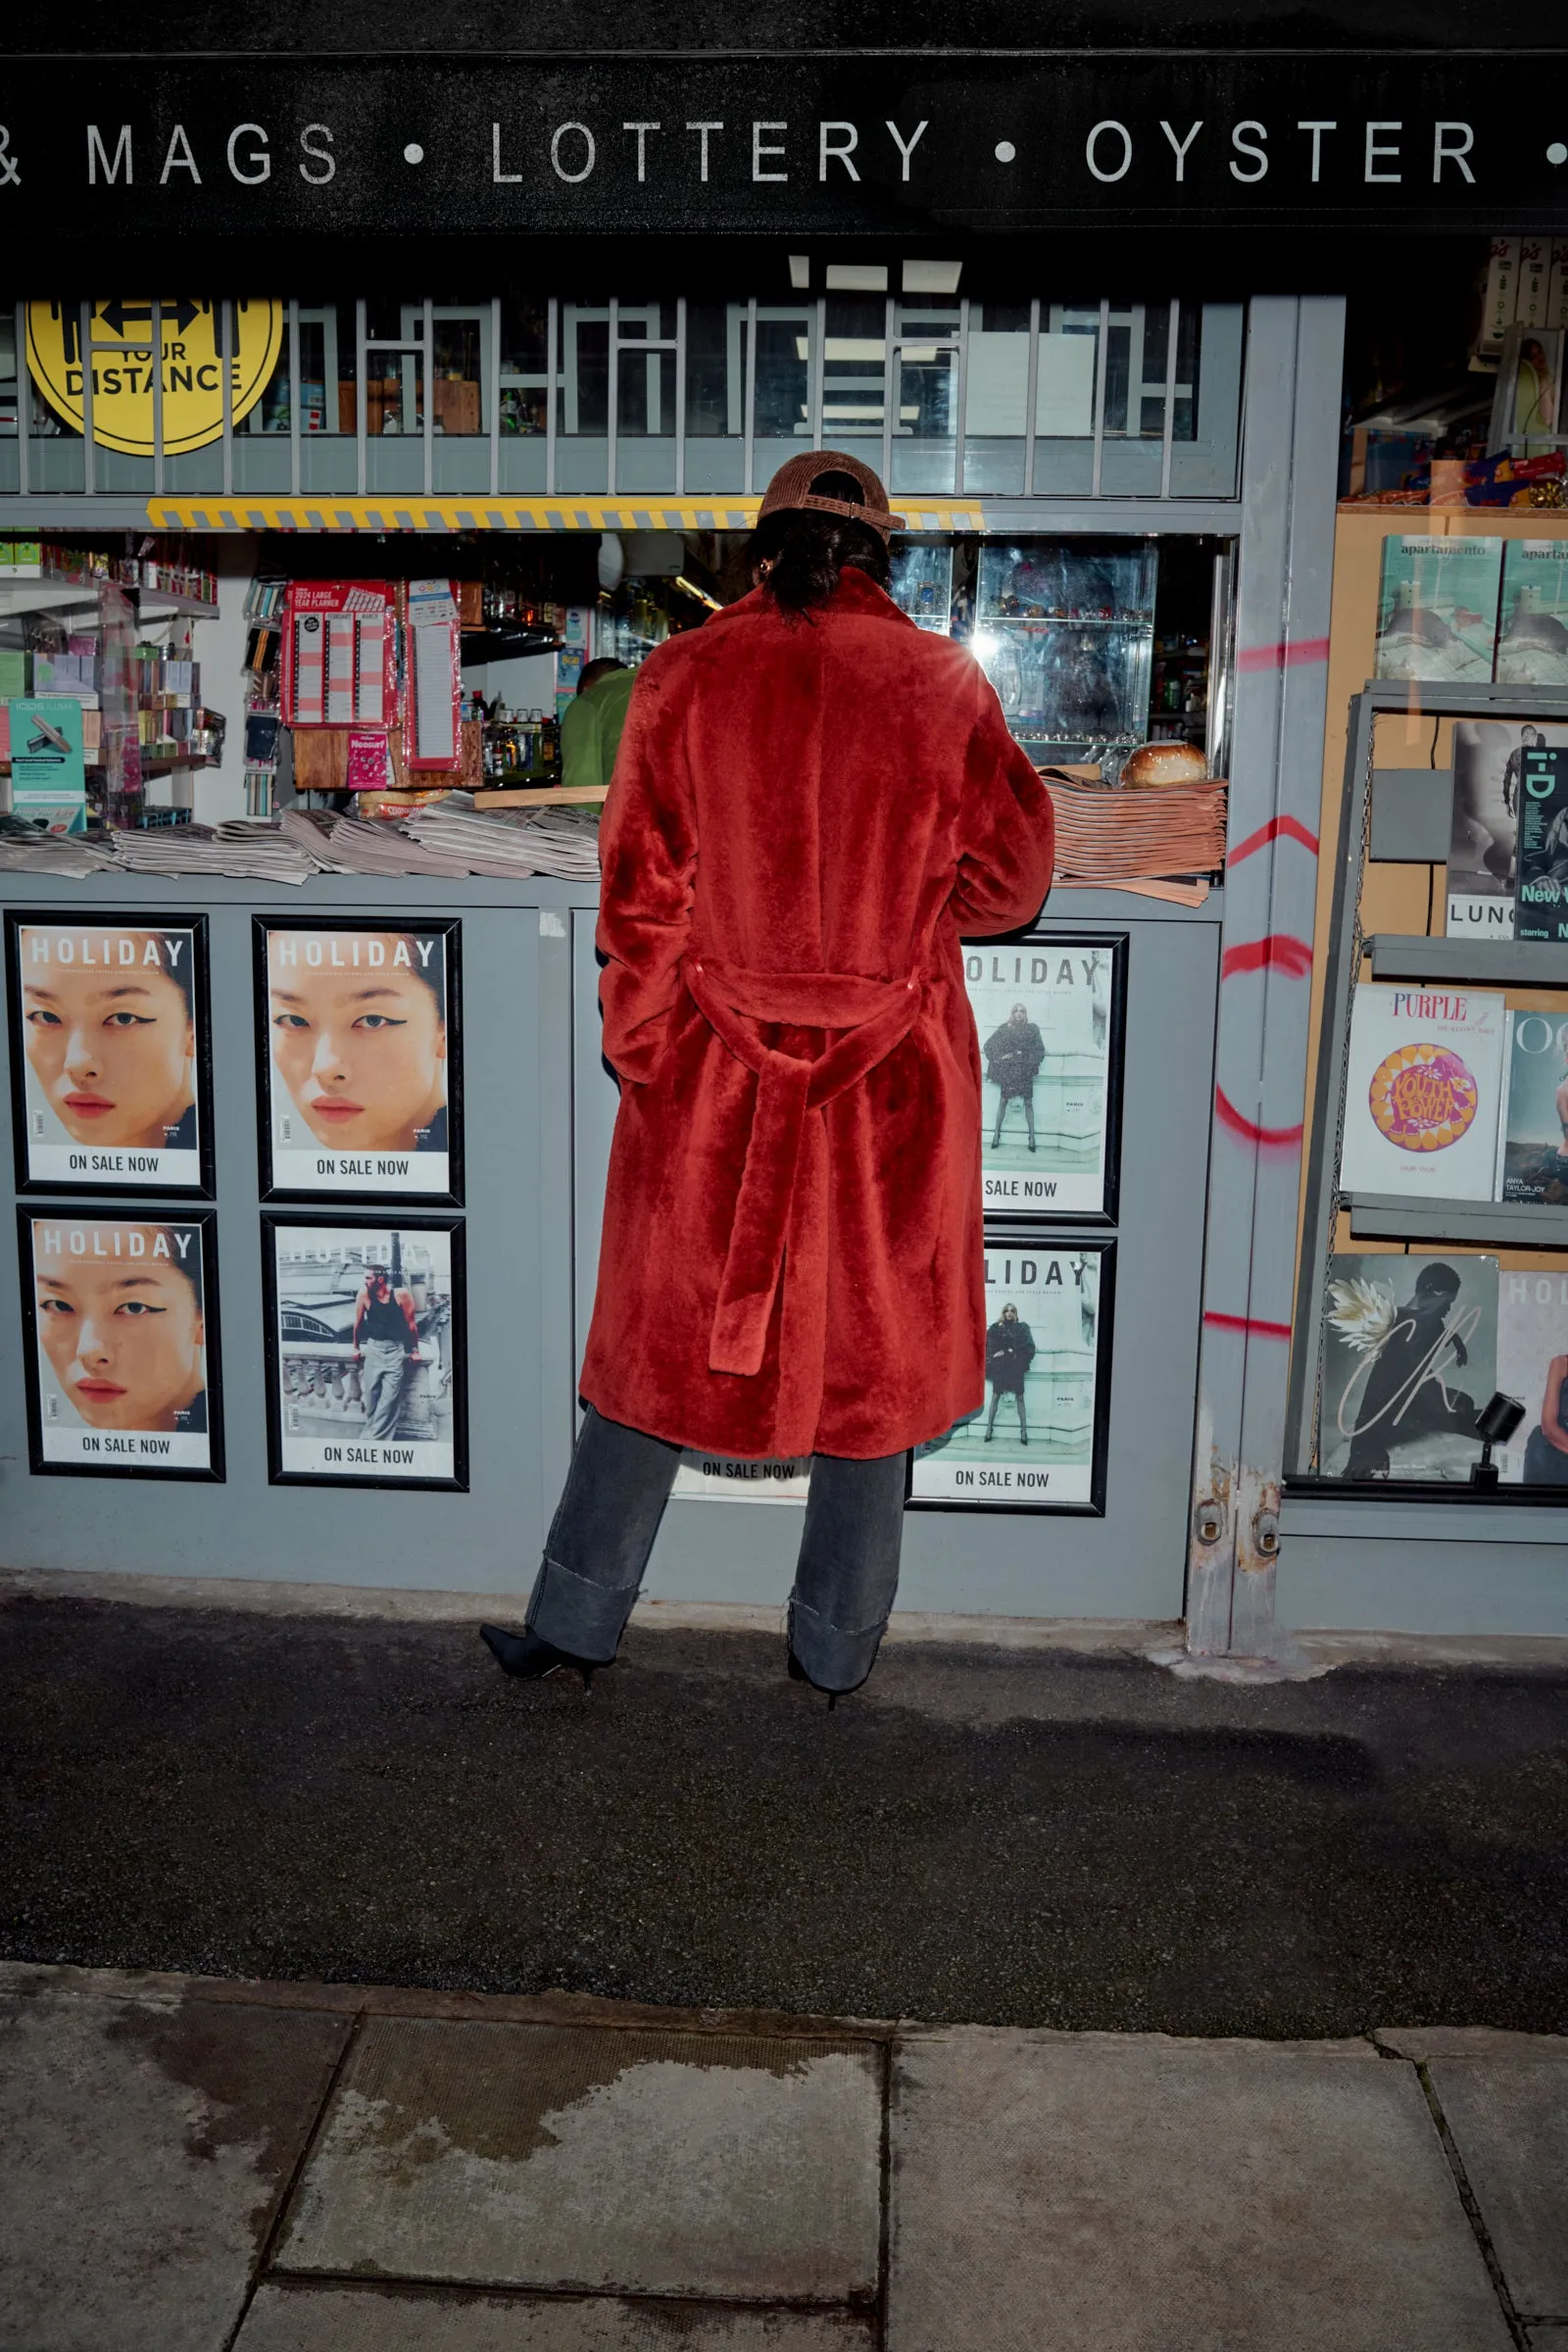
[1475, 1224]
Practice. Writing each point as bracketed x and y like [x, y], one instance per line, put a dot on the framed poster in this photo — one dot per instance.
[111, 1052]
[366, 1351]
[1038, 1442]
[1051, 1014]
[359, 1059]
[122, 1356]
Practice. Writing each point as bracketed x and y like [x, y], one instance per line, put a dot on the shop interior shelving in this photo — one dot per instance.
[1397, 1217]
[46, 592]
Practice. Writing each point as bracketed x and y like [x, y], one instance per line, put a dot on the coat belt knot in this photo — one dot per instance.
[870, 1018]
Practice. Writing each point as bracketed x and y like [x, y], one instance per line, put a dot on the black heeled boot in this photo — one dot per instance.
[798, 1673]
[531, 1657]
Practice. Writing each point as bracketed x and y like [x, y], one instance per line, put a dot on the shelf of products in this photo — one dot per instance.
[1479, 1224]
[1497, 962]
[1440, 1126]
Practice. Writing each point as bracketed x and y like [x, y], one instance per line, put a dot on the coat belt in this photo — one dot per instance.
[872, 1016]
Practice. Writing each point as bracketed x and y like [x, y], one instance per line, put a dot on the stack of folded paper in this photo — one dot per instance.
[1111, 837]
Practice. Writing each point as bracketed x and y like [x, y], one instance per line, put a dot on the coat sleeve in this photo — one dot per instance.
[1006, 830]
[647, 859]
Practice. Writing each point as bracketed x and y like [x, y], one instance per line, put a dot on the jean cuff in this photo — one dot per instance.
[585, 1618]
[835, 1659]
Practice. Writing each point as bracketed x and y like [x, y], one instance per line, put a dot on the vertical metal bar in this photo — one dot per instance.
[747, 477]
[226, 324]
[492, 393]
[1170, 398]
[1291, 453]
[960, 421]
[819, 393]
[613, 398]
[89, 470]
[1320, 1195]
[680, 395]
[157, 309]
[551, 368]
[295, 394]
[427, 360]
[888, 371]
[1101, 375]
[362, 402]
[23, 405]
[1031, 399]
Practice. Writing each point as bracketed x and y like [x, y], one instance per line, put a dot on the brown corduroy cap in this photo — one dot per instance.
[790, 489]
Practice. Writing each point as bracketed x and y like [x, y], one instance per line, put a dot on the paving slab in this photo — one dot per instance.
[334, 2319]
[1150, 2196]
[636, 2163]
[1509, 2120]
[1468, 2042]
[144, 2149]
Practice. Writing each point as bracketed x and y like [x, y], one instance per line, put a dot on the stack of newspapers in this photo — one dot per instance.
[564, 842]
[70, 855]
[253, 851]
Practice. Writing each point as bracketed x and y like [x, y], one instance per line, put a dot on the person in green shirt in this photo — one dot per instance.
[591, 728]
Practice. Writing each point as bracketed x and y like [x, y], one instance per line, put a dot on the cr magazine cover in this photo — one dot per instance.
[365, 1351]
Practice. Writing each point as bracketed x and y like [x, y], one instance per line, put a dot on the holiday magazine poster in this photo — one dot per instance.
[1038, 1441]
[122, 1356]
[1048, 1016]
[359, 1059]
[110, 1054]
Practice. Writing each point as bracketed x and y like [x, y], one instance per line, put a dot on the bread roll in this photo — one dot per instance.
[1154, 765]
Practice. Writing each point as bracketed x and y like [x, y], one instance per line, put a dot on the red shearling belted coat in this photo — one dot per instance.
[807, 813]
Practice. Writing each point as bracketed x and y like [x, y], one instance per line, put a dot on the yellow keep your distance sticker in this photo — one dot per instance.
[121, 336]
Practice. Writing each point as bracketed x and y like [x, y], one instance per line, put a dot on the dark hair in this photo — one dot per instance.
[179, 968]
[808, 550]
[592, 671]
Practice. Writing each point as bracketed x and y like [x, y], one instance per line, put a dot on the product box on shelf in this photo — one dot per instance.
[1533, 643]
[1437, 608]
[1533, 1130]
[339, 655]
[1532, 1366]
[1540, 908]
[1423, 1092]
[1409, 1359]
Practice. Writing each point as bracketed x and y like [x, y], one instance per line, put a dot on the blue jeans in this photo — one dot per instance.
[617, 1488]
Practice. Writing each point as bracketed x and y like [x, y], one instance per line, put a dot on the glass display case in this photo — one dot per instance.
[1067, 633]
[922, 584]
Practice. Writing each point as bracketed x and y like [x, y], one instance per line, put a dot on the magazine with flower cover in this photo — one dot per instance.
[1423, 1092]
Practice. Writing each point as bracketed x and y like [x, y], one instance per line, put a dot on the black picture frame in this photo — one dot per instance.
[360, 1220]
[1056, 1240]
[1018, 947]
[205, 1219]
[136, 1186]
[263, 927]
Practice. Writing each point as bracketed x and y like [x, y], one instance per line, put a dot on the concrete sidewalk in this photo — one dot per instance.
[207, 2165]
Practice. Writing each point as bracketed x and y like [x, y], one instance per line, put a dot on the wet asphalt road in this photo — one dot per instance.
[1010, 1838]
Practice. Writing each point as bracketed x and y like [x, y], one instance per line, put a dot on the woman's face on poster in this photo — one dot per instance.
[360, 1046]
[109, 1036]
[123, 1334]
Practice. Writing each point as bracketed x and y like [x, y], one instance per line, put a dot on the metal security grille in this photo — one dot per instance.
[682, 398]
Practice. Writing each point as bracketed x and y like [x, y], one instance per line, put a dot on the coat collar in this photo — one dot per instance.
[857, 592]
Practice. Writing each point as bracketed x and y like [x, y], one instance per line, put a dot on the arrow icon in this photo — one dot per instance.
[116, 314]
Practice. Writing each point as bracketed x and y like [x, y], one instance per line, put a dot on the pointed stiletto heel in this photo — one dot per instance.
[798, 1673]
[531, 1657]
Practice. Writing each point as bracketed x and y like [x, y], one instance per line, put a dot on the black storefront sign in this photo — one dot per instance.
[809, 146]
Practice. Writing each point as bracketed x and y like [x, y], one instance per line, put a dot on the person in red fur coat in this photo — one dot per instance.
[815, 801]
